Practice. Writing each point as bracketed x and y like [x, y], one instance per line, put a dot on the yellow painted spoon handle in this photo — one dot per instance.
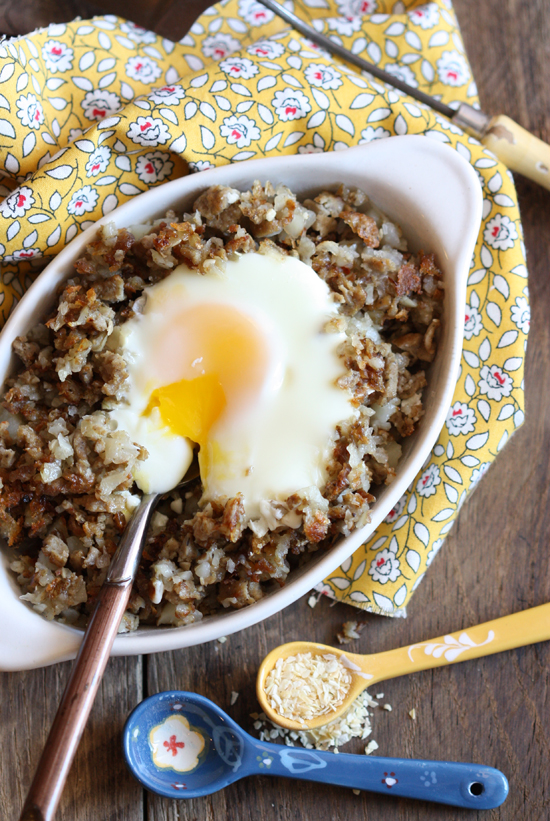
[507, 633]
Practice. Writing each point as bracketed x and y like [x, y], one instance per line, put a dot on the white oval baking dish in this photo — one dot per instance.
[423, 185]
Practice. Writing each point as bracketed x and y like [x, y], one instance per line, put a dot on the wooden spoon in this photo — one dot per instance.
[507, 633]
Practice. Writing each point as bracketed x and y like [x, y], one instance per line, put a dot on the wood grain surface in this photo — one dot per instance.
[495, 561]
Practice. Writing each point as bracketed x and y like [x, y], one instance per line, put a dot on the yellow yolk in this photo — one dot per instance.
[228, 352]
[191, 406]
[236, 362]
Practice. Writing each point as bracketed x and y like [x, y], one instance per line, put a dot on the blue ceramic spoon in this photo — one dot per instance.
[182, 745]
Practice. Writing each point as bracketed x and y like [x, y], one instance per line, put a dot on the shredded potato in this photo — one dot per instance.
[66, 486]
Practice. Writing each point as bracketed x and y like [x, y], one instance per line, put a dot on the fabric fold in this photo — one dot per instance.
[94, 112]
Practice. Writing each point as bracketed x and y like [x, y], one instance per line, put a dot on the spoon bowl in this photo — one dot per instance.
[506, 633]
[182, 745]
[355, 664]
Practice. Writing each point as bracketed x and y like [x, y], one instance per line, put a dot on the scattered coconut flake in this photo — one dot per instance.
[313, 599]
[222, 639]
[379, 695]
[371, 747]
[234, 697]
[371, 701]
[412, 714]
[354, 723]
[387, 707]
[350, 632]
[306, 686]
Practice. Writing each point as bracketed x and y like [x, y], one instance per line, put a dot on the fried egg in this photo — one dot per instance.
[237, 363]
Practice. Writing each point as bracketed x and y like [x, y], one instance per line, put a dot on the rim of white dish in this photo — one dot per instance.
[421, 183]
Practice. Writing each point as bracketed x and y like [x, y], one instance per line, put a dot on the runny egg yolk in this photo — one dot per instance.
[237, 363]
[222, 358]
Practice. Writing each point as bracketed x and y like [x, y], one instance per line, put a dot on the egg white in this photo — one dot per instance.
[273, 443]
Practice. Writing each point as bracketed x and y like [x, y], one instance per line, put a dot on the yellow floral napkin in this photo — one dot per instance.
[95, 112]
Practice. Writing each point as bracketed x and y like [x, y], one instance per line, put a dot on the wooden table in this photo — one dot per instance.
[495, 561]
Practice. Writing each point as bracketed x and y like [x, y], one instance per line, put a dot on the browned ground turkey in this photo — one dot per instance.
[66, 474]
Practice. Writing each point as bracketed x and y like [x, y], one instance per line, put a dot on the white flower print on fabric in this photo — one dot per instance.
[154, 166]
[30, 111]
[167, 95]
[428, 482]
[266, 49]
[521, 314]
[322, 76]
[83, 200]
[98, 104]
[500, 233]
[403, 73]
[239, 131]
[200, 165]
[254, 13]
[311, 46]
[57, 56]
[453, 69]
[344, 25]
[479, 473]
[385, 567]
[316, 147]
[148, 131]
[461, 419]
[310, 149]
[143, 69]
[98, 161]
[356, 8]
[219, 45]
[433, 552]
[369, 134]
[17, 203]
[74, 134]
[290, 104]
[396, 510]
[473, 323]
[426, 16]
[24, 254]
[494, 382]
[239, 68]
[137, 33]
[480, 177]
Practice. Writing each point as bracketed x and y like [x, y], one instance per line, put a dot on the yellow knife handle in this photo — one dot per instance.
[507, 633]
[518, 149]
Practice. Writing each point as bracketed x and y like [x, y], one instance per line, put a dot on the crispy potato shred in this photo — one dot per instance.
[66, 486]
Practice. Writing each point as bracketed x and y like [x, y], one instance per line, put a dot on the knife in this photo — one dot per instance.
[516, 147]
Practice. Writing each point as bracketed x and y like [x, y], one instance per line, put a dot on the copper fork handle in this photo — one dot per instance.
[79, 695]
[88, 668]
